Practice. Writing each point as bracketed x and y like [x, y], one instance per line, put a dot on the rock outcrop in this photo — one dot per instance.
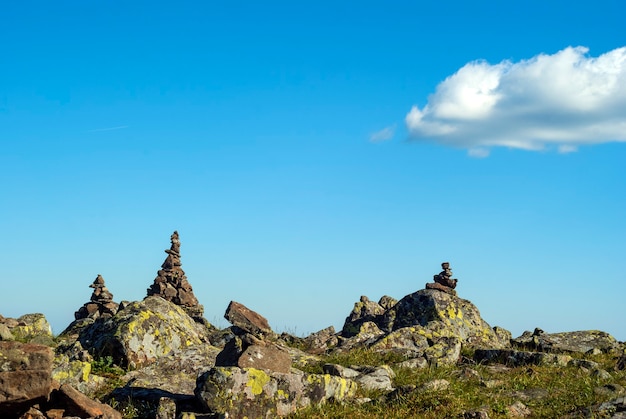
[101, 303]
[142, 332]
[592, 341]
[171, 283]
[31, 328]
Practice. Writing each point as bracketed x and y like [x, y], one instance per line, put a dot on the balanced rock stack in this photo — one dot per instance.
[171, 283]
[443, 280]
[101, 303]
[251, 347]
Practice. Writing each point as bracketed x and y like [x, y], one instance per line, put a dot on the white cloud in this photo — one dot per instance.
[562, 100]
[384, 134]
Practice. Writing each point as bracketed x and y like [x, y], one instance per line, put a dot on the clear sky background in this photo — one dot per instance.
[309, 153]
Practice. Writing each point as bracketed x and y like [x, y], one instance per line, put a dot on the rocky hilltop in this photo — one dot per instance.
[159, 358]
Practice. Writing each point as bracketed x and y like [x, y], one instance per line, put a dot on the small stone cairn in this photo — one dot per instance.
[101, 303]
[443, 280]
[171, 283]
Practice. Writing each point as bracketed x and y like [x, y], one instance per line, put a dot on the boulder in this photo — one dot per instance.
[142, 332]
[568, 342]
[247, 320]
[248, 392]
[460, 316]
[321, 341]
[25, 376]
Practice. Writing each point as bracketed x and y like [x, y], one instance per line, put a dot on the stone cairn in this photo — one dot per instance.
[101, 303]
[171, 283]
[443, 280]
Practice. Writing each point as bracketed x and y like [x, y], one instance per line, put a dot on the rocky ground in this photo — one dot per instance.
[429, 354]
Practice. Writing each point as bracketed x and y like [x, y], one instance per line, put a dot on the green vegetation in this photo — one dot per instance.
[548, 391]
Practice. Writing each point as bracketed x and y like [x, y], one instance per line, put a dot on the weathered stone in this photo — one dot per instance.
[439, 287]
[75, 373]
[408, 341]
[567, 342]
[340, 371]
[25, 376]
[166, 408]
[435, 385]
[266, 357]
[247, 320]
[321, 341]
[414, 363]
[367, 335]
[445, 276]
[143, 332]
[171, 283]
[5, 333]
[33, 413]
[236, 393]
[364, 311]
[375, 378]
[31, 328]
[80, 405]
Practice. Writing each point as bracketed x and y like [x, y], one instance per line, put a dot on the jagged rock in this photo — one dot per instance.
[460, 316]
[101, 303]
[248, 392]
[247, 320]
[143, 332]
[515, 358]
[82, 406]
[25, 376]
[171, 283]
[321, 341]
[368, 334]
[364, 311]
[31, 328]
[567, 342]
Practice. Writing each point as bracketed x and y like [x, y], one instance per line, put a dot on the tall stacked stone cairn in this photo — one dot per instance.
[101, 303]
[443, 280]
[171, 283]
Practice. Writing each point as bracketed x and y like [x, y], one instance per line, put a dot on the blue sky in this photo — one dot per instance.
[309, 153]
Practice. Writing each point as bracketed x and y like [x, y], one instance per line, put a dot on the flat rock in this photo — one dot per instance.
[247, 320]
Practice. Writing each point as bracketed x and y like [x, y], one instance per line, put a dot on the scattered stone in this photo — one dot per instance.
[601, 374]
[340, 371]
[25, 376]
[375, 378]
[171, 283]
[435, 385]
[414, 363]
[610, 390]
[101, 303]
[482, 413]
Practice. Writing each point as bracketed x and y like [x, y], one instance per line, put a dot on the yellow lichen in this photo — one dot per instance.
[257, 380]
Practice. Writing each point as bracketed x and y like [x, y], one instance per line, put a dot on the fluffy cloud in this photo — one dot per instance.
[562, 100]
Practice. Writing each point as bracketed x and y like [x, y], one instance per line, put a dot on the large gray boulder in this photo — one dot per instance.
[566, 342]
[142, 332]
[249, 392]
